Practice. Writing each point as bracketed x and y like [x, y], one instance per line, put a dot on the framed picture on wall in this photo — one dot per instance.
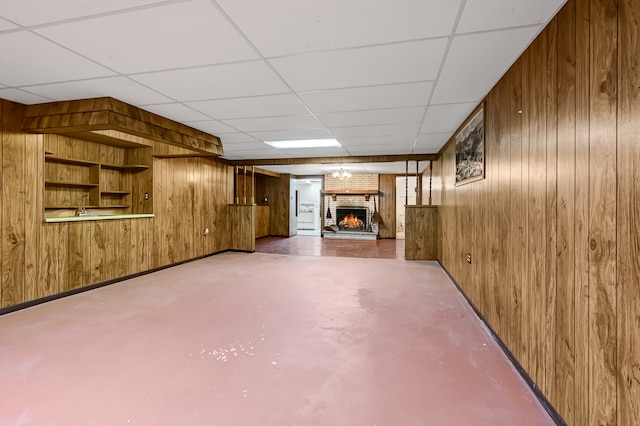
[470, 159]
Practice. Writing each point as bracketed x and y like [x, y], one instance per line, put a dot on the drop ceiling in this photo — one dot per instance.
[384, 77]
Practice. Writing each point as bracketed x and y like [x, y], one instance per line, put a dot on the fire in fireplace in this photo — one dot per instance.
[352, 218]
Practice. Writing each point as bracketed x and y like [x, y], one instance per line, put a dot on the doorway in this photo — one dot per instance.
[309, 216]
[405, 195]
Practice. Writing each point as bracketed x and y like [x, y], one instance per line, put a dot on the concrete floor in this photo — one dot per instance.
[316, 246]
[262, 339]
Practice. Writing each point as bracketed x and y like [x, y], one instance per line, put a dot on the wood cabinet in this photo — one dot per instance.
[101, 178]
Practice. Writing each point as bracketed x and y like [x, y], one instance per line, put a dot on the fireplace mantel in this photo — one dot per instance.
[335, 192]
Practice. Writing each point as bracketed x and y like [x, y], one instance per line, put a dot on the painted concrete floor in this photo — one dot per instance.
[262, 339]
[315, 246]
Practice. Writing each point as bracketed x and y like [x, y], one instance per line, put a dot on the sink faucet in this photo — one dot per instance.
[82, 211]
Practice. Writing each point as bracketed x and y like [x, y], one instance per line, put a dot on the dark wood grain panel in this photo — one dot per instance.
[551, 111]
[387, 205]
[262, 221]
[78, 262]
[277, 190]
[243, 235]
[13, 206]
[564, 385]
[602, 212]
[628, 216]
[583, 93]
[421, 225]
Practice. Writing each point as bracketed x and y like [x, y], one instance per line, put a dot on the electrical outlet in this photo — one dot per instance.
[146, 195]
[206, 232]
[469, 258]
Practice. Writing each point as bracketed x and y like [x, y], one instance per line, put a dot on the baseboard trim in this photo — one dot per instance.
[555, 416]
[20, 306]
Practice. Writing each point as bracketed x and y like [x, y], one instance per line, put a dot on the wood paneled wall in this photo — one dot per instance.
[553, 229]
[242, 223]
[278, 190]
[41, 259]
[387, 206]
[421, 232]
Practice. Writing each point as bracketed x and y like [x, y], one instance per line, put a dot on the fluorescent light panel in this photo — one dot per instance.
[306, 143]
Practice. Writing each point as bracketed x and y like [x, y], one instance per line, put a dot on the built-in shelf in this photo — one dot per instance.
[70, 184]
[119, 206]
[71, 161]
[132, 167]
[115, 192]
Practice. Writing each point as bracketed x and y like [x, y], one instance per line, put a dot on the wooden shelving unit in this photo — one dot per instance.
[100, 176]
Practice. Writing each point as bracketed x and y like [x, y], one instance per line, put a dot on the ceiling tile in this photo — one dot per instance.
[233, 138]
[36, 12]
[403, 62]
[446, 118]
[259, 106]
[17, 95]
[120, 88]
[372, 117]
[482, 15]
[382, 130]
[176, 111]
[285, 135]
[378, 150]
[216, 82]
[334, 24]
[263, 154]
[6, 25]
[316, 152]
[243, 146]
[378, 97]
[35, 60]
[431, 143]
[213, 127]
[172, 36]
[405, 141]
[491, 55]
[288, 122]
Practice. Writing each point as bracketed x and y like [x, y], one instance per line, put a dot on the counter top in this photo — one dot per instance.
[96, 217]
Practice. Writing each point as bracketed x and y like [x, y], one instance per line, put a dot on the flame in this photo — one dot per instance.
[351, 221]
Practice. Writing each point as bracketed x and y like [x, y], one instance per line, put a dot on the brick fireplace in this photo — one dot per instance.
[350, 201]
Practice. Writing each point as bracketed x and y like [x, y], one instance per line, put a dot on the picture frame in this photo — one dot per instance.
[470, 149]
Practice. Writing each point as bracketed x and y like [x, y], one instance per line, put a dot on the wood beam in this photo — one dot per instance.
[335, 160]
[94, 118]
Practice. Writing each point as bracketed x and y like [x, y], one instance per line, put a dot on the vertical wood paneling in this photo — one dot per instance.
[551, 110]
[583, 49]
[563, 389]
[602, 214]
[421, 233]
[278, 193]
[78, 263]
[34, 176]
[503, 153]
[13, 195]
[387, 206]
[517, 215]
[572, 240]
[628, 309]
